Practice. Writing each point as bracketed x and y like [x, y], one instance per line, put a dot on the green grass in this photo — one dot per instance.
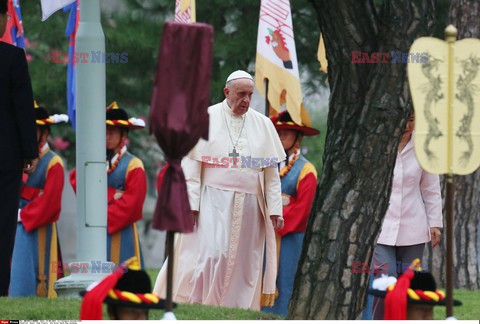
[470, 309]
[61, 309]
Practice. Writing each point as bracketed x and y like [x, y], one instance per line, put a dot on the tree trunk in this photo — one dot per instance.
[465, 15]
[368, 109]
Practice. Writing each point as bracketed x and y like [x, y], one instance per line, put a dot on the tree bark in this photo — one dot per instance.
[368, 109]
[465, 16]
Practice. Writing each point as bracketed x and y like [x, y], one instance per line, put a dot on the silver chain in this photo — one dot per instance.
[228, 129]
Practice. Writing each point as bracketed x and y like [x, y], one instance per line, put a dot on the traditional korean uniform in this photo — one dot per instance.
[299, 181]
[36, 260]
[127, 188]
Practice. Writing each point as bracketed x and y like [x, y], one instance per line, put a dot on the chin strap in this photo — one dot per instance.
[291, 147]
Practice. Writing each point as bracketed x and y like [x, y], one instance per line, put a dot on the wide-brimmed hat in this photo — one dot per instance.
[412, 287]
[117, 117]
[43, 118]
[283, 121]
[423, 290]
[127, 286]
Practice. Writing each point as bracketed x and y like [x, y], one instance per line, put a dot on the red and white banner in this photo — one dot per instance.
[185, 11]
[277, 57]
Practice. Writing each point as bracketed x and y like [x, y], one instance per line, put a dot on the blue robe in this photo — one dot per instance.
[128, 236]
[291, 247]
[25, 275]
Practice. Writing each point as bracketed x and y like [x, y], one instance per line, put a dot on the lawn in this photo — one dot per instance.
[62, 309]
[59, 309]
[470, 309]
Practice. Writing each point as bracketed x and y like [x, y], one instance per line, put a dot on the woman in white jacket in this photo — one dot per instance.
[413, 218]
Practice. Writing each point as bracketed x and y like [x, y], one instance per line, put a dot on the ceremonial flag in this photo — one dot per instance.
[14, 29]
[276, 59]
[50, 6]
[185, 11]
[71, 32]
[444, 83]
[322, 55]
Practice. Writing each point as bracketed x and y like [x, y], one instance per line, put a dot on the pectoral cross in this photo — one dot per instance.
[234, 154]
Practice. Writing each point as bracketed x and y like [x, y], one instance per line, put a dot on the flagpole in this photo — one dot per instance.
[91, 173]
[170, 242]
[91, 133]
[450, 37]
[267, 105]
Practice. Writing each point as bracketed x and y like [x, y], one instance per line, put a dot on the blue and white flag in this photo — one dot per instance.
[50, 6]
[71, 32]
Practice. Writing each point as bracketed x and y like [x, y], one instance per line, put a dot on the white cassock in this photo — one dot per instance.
[222, 262]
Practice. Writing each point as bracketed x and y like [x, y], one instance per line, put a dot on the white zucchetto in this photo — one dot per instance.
[239, 74]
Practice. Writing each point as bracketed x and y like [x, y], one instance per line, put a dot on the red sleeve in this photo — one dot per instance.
[45, 209]
[128, 209]
[73, 180]
[297, 212]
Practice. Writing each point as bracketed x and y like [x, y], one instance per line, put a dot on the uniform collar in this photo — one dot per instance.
[45, 148]
[118, 155]
[290, 158]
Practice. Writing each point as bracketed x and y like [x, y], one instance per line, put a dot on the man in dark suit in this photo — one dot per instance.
[18, 141]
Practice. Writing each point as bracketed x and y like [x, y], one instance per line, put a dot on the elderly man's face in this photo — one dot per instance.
[239, 94]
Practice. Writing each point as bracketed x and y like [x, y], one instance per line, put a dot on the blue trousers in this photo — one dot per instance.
[290, 250]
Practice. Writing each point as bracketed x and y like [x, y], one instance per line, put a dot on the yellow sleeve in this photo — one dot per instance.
[134, 164]
[307, 168]
[55, 159]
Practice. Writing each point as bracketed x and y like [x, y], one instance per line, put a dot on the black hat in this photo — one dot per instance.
[118, 117]
[414, 286]
[127, 286]
[423, 290]
[130, 291]
[43, 118]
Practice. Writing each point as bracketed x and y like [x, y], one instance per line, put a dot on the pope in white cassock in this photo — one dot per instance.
[234, 190]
